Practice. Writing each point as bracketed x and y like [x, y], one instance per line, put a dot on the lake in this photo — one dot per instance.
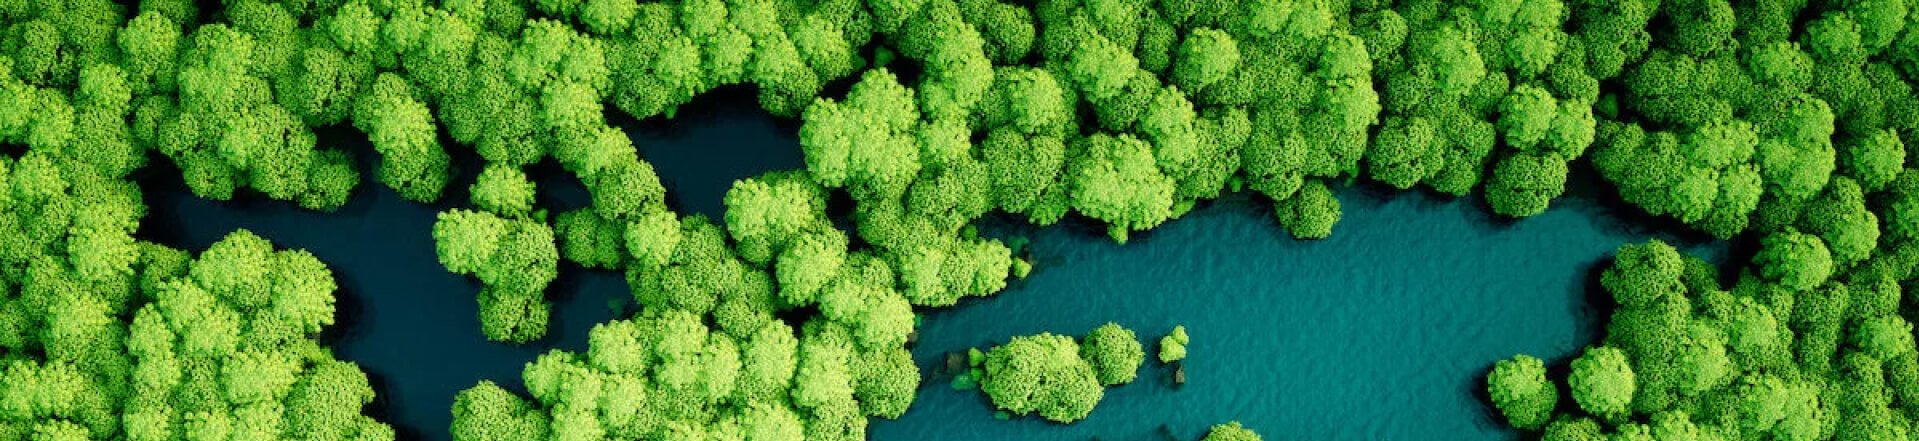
[1380, 332]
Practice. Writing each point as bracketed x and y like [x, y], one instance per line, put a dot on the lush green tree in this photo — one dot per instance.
[1777, 123]
[590, 240]
[1310, 213]
[1602, 382]
[1873, 161]
[886, 381]
[1643, 275]
[503, 190]
[1567, 428]
[1206, 56]
[1523, 185]
[1840, 218]
[1116, 181]
[513, 258]
[402, 130]
[237, 354]
[1172, 347]
[1042, 373]
[488, 412]
[1114, 352]
[1518, 386]
[1795, 260]
[1027, 174]
[864, 142]
[1230, 431]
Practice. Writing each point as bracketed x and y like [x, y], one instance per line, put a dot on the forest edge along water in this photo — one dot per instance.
[1382, 331]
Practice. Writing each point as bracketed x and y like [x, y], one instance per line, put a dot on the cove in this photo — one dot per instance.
[1380, 332]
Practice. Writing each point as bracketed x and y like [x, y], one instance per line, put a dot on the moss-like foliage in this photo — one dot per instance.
[1056, 376]
[223, 343]
[1114, 352]
[1042, 374]
[1519, 389]
[1230, 431]
[1782, 124]
[1172, 347]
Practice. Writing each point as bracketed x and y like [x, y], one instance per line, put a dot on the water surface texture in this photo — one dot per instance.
[1378, 333]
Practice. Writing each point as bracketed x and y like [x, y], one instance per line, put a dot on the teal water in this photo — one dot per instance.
[1380, 332]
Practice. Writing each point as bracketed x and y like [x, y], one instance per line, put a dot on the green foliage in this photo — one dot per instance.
[1602, 382]
[229, 342]
[503, 190]
[1172, 347]
[1114, 352]
[1206, 56]
[1042, 373]
[1795, 260]
[864, 141]
[1522, 185]
[590, 240]
[1518, 386]
[1230, 431]
[1115, 181]
[1310, 213]
[513, 258]
[1776, 123]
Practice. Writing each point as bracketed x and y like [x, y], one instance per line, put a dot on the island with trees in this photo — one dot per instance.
[1776, 125]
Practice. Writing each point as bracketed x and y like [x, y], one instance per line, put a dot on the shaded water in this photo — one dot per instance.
[413, 326]
[1377, 333]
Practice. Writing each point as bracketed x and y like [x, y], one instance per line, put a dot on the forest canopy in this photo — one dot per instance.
[1782, 124]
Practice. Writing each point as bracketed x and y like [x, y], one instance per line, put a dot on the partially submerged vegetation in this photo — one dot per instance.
[1058, 377]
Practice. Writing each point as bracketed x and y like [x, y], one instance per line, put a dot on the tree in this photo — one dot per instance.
[1042, 373]
[1172, 347]
[1230, 431]
[1206, 56]
[402, 130]
[887, 380]
[864, 142]
[1310, 213]
[1405, 151]
[1567, 428]
[824, 374]
[1644, 275]
[486, 411]
[590, 240]
[768, 214]
[1523, 185]
[1025, 172]
[1519, 388]
[503, 190]
[1840, 218]
[1116, 182]
[1114, 352]
[1795, 260]
[1602, 382]
[514, 259]
[1873, 161]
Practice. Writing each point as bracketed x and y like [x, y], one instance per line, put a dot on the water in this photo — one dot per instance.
[413, 326]
[1380, 332]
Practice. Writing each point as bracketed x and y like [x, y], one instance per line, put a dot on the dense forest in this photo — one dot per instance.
[1780, 124]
